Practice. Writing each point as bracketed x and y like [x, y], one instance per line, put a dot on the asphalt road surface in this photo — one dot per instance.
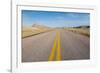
[55, 46]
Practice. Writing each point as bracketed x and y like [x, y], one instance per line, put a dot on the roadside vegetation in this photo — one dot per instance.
[80, 30]
[28, 31]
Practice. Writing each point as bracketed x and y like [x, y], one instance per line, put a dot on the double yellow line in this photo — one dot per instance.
[56, 48]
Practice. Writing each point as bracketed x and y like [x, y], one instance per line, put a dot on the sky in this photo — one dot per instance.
[55, 19]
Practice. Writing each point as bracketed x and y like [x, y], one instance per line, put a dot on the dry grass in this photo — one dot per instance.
[30, 31]
[83, 31]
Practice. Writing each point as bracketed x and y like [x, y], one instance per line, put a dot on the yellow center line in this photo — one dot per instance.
[56, 47]
[53, 50]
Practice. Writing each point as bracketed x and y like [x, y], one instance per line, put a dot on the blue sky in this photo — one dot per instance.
[55, 19]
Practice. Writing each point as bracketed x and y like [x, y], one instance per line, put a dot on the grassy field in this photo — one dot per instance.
[30, 31]
[83, 31]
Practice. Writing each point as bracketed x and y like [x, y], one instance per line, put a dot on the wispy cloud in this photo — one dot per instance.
[55, 19]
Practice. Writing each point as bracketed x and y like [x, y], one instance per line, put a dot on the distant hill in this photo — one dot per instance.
[40, 26]
[82, 27]
[34, 30]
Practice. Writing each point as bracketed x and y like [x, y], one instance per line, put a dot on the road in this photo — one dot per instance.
[55, 46]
